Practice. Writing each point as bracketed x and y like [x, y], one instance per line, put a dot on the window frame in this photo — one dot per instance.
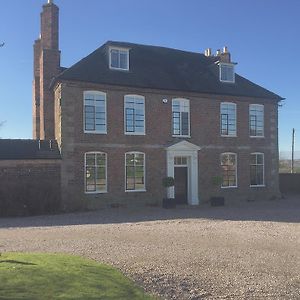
[236, 170]
[220, 72]
[110, 60]
[235, 116]
[189, 118]
[84, 117]
[263, 156]
[134, 133]
[85, 179]
[263, 110]
[144, 165]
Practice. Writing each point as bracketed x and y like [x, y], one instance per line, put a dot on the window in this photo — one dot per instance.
[228, 119]
[229, 170]
[135, 171]
[119, 59]
[134, 111]
[256, 120]
[181, 117]
[227, 73]
[180, 161]
[95, 172]
[94, 112]
[257, 169]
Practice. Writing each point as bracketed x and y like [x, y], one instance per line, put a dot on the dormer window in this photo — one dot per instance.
[227, 72]
[119, 59]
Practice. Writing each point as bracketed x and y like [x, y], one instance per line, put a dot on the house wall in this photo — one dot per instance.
[29, 186]
[205, 132]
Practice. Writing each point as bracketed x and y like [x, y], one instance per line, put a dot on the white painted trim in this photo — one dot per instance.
[236, 168]
[263, 109]
[189, 150]
[119, 49]
[124, 109]
[220, 123]
[226, 64]
[189, 117]
[95, 93]
[264, 183]
[141, 190]
[95, 192]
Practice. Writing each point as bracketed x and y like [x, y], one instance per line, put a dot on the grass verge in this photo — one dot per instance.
[58, 276]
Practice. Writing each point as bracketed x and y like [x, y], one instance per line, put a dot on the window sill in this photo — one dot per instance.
[181, 136]
[233, 136]
[95, 193]
[118, 69]
[95, 132]
[257, 136]
[229, 187]
[134, 133]
[134, 191]
[258, 186]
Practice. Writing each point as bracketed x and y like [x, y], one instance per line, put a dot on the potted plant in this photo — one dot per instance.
[168, 182]
[217, 200]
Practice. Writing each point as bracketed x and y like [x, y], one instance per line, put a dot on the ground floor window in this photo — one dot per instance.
[135, 171]
[95, 172]
[229, 170]
[257, 169]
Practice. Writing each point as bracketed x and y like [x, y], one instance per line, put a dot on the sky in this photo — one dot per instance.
[262, 36]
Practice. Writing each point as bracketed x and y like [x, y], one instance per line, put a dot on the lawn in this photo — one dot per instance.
[56, 276]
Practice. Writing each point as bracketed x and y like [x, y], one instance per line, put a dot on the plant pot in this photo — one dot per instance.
[217, 201]
[168, 203]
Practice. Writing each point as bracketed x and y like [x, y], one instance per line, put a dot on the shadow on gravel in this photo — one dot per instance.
[284, 210]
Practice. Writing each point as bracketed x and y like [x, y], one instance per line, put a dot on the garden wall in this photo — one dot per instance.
[289, 183]
[29, 187]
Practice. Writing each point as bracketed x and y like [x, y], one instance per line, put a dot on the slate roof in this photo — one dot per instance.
[28, 149]
[162, 68]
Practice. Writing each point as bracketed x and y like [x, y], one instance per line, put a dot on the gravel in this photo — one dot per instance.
[249, 251]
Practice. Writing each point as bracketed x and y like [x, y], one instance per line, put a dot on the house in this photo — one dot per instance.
[128, 115]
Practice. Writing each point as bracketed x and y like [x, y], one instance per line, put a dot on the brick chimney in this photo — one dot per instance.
[224, 55]
[46, 66]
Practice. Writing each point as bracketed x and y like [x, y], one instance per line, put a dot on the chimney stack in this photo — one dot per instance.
[225, 55]
[207, 52]
[46, 66]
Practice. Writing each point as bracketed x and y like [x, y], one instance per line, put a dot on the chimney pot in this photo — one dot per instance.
[207, 52]
[225, 49]
[218, 53]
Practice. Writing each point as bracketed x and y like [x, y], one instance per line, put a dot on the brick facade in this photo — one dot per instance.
[205, 133]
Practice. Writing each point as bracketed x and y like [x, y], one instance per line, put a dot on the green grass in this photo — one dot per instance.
[57, 276]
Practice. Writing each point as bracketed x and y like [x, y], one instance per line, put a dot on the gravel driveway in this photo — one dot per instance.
[238, 252]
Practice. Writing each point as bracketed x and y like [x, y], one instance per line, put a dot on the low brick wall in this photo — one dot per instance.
[289, 183]
[29, 187]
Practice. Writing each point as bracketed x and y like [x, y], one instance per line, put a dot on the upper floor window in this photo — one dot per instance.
[181, 117]
[134, 114]
[229, 170]
[135, 171]
[257, 166]
[95, 172]
[256, 120]
[94, 112]
[119, 58]
[228, 119]
[227, 72]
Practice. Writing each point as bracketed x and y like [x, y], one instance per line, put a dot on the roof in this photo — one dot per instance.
[162, 68]
[28, 149]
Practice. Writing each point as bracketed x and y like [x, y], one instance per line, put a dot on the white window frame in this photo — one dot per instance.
[85, 165]
[118, 49]
[263, 110]
[134, 133]
[236, 168]
[220, 72]
[235, 116]
[95, 131]
[258, 185]
[182, 100]
[139, 190]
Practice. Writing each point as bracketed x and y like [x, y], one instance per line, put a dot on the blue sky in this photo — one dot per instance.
[262, 36]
